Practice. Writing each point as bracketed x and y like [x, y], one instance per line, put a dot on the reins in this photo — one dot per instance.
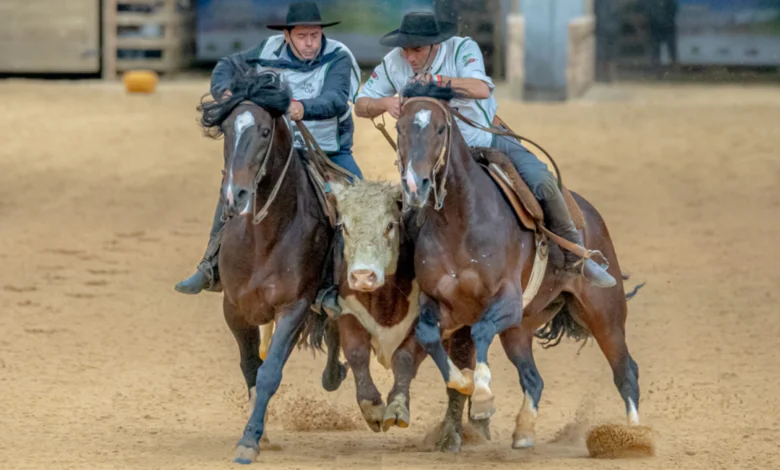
[440, 189]
[258, 217]
[317, 157]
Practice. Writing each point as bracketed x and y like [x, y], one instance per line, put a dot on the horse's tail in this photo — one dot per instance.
[314, 331]
[562, 324]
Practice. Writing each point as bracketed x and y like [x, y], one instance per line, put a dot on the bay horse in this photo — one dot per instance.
[473, 261]
[272, 257]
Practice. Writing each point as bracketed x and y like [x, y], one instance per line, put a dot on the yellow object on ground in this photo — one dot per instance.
[140, 81]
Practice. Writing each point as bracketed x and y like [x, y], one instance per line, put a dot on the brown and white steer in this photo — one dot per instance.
[378, 298]
[378, 294]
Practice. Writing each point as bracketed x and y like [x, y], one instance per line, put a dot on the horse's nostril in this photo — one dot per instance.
[426, 182]
[241, 194]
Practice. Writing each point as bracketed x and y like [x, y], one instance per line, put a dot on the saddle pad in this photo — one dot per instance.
[500, 167]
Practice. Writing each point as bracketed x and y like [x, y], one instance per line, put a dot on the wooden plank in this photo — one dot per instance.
[141, 19]
[137, 2]
[174, 44]
[49, 37]
[158, 65]
[147, 43]
[109, 39]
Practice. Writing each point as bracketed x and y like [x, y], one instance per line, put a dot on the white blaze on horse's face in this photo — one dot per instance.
[411, 179]
[422, 118]
[243, 122]
[370, 217]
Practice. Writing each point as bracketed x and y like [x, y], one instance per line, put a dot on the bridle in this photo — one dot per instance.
[316, 157]
[439, 186]
[258, 216]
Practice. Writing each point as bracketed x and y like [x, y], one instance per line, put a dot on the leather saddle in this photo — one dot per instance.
[523, 201]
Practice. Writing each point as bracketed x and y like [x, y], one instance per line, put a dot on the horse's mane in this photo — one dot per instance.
[265, 89]
[431, 90]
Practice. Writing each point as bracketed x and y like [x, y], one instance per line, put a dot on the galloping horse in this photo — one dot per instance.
[271, 257]
[473, 261]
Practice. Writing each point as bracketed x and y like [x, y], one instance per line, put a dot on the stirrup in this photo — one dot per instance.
[595, 255]
[213, 284]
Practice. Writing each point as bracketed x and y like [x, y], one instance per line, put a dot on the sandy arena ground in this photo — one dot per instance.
[106, 201]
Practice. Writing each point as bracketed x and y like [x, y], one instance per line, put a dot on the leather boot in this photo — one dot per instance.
[328, 296]
[206, 275]
[559, 222]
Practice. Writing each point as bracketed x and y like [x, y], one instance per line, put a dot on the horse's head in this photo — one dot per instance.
[424, 136]
[248, 119]
[370, 221]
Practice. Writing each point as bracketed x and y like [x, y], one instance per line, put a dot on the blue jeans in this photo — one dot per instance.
[534, 172]
[345, 160]
[543, 184]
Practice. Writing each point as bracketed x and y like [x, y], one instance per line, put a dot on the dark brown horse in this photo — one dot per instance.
[274, 244]
[473, 261]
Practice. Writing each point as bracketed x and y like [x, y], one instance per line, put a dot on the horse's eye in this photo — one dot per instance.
[389, 228]
[441, 129]
[266, 132]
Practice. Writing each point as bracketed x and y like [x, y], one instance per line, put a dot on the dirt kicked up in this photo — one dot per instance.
[106, 201]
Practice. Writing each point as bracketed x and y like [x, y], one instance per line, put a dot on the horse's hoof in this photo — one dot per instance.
[482, 404]
[523, 442]
[396, 414]
[245, 455]
[482, 426]
[450, 442]
[465, 385]
[331, 383]
[373, 414]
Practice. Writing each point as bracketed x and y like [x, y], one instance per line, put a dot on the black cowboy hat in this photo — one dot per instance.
[418, 29]
[302, 14]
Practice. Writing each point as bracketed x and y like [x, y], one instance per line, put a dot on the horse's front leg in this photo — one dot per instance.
[269, 376]
[504, 311]
[335, 372]
[428, 334]
[248, 339]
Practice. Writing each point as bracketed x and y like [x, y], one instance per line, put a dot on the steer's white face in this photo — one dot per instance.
[370, 217]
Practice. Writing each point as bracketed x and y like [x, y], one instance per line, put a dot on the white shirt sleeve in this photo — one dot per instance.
[378, 84]
[469, 62]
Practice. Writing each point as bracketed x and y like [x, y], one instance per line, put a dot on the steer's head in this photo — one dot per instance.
[370, 214]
